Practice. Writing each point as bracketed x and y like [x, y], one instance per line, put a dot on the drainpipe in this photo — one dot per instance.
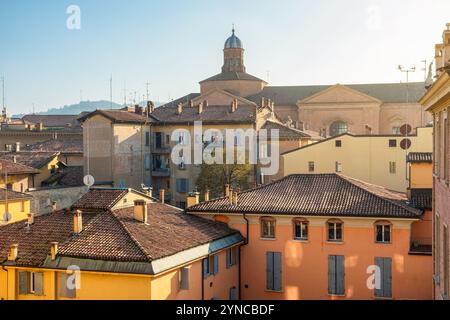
[7, 278]
[203, 281]
[240, 260]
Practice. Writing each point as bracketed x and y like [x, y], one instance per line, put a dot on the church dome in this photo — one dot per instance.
[233, 42]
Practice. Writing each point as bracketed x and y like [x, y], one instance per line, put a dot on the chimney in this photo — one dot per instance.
[162, 194]
[140, 211]
[53, 250]
[180, 108]
[30, 218]
[230, 195]
[54, 206]
[205, 103]
[39, 126]
[227, 190]
[193, 199]
[13, 252]
[149, 192]
[150, 107]
[206, 195]
[235, 198]
[200, 108]
[138, 110]
[17, 146]
[191, 103]
[14, 159]
[77, 222]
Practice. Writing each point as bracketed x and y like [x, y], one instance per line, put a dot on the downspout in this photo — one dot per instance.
[240, 260]
[203, 280]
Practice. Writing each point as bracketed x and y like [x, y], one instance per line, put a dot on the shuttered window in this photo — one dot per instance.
[182, 185]
[184, 279]
[31, 283]
[65, 290]
[232, 256]
[273, 262]
[336, 275]
[385, 265]
[233, 293]
[216, 264]
[205, 268]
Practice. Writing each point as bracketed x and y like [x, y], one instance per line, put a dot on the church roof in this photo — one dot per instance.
[233, 42]
[232, 76]
[386, 92]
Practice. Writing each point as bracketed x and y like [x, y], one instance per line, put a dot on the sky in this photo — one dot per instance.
[174, 44]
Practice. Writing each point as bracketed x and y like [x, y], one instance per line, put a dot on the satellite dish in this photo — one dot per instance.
[7, 216]
[88, 180]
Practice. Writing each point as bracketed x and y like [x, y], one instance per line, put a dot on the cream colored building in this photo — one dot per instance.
[376, 159]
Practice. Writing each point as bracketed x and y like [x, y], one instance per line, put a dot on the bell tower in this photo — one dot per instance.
[233, 55]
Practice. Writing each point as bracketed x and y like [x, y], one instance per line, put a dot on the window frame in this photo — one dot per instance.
[311, 165]
[392, 143]
[269, 220]
[335, 222]
[383, 224]
[300, 221]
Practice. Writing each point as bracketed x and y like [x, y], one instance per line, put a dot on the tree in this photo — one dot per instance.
[215, 176]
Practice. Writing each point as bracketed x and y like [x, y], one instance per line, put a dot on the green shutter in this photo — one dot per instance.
[340, 275]
[387, 278]
[269, 271]
[216, 264]
[229, 253]
[184, 283]
[205, 268]
[380, 264]
[24, 281]
[332, 275]
[233, 293]
[277, 271]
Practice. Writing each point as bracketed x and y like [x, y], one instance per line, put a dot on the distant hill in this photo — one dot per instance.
[83, 106]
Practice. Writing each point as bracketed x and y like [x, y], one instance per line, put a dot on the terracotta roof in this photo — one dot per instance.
[316, 195]
[422, 198]
[13, 195]
[16, 168]
[232, 76]
[67, 177]
[210, 114]
[118, 116]
[100, 199]
[53, 120]
[284, 131]
[61, 144]
[35, 159]
[417, 157]
[111, 235]
[386, 92]
[184, 99]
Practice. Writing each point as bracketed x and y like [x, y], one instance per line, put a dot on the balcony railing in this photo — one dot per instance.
[161, 172]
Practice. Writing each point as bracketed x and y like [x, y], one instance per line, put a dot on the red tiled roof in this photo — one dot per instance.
[13, 195]
[118, 116]
[284, 131]
[316, 195]
[61, 144]
[67, 177]
[30, 158]
[15, 168]
[100, 199]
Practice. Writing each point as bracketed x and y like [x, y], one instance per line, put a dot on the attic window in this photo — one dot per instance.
[338, 143]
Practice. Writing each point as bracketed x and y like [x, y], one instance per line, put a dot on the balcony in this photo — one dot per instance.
[161, 172]
[161, 150]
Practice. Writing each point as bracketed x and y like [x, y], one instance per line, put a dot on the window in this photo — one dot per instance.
[184, 278]
[182, 185]
[147, 139]
[338, 167]
[300, 229]
[396, 130]
[31, 283]
[8, 147]
[392, 167]
[338, 143]
[334, 231]
[392, 143]
[233, 293]
[66, 290]
[446, 147]
[210, 266]
[273, 269]
[311, 167]
[336, 275]
[268, 228]
[385, 265]
[147, 162]
[206, 268]
[338, 128]
[232, 256]
[437, 248]
[383, 232]
[52, 169]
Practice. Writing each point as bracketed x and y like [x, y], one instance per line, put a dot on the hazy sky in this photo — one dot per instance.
[175, 44]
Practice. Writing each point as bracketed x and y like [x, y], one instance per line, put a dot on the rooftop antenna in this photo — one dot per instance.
[147, 84]
[125, 93]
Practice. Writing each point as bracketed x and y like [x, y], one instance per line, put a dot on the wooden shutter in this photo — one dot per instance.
[385, 265]
[216, 264]
[277, 271]
[233, 293]
[340, 275]
[269, 271]
[205, 268]
[184, 282]
[229, 253]
[332, 275]
[38, 283]
[64, 291]
[24, 281]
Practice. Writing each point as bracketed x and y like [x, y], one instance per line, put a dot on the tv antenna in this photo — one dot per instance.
[110, 91]
[147, 85]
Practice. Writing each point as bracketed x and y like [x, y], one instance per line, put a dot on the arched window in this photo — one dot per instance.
[337, 128]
